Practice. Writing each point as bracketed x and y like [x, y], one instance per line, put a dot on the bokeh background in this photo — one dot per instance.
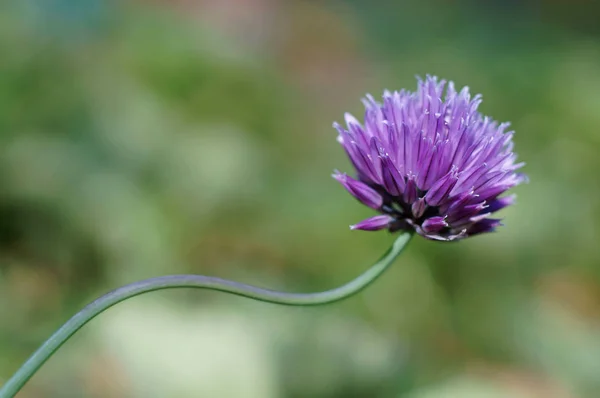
[142, 138]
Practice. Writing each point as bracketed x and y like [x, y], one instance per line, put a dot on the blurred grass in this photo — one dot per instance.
[145, 138]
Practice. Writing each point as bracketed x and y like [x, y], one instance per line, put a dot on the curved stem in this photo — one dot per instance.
[16, 382]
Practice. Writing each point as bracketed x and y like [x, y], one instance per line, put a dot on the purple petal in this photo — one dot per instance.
[434, 224]
[520, 178]
[395, 137]
[491, 179]
[368, 167]
[477, 218]
[410, 191]
[424, 163]
[433, 172]
[467, 178]
[499, 204]
[491, 193]
[441, 189]
[413, 152]
[373, 117]
[374, 223]
[418, 207]
[457, 202]
[404, 134]
[356, 129]
[361, 191]
[464, 214]
[487, 225]
[377, 151]
[392, 180]
[357, 157]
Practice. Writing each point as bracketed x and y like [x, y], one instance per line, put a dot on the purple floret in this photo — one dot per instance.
[429, 163]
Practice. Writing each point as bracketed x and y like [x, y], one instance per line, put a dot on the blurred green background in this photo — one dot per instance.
[142, 138]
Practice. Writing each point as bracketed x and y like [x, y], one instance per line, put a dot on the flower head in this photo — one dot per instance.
[429, 163]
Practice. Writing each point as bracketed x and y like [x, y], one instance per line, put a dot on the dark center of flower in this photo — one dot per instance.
[402, 212]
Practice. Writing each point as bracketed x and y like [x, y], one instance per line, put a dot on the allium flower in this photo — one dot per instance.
[430, 164]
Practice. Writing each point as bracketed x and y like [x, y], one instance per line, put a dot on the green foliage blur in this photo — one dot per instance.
[144, 138]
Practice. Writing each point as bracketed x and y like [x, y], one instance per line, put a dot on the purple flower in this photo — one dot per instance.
[429, 163]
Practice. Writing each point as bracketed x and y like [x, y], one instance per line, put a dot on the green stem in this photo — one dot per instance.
[16, 382]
